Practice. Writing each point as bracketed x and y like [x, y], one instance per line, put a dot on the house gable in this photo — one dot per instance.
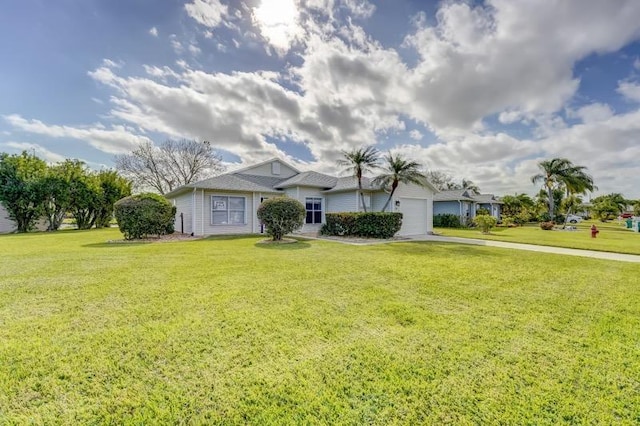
[272, 168]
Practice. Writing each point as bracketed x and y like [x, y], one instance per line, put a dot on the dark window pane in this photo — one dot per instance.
[309, 217]
[309, 205]
[317, 217]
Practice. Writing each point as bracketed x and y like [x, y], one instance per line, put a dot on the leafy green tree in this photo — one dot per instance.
[359, 161]
[397, 170]
[281, 215]
[56, 189]
[609, 205]
[113, 187]
[85, 193]
[561, 173]
[21, 188]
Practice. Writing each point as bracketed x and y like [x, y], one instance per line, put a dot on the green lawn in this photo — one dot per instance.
[224, 331]
[612, 237]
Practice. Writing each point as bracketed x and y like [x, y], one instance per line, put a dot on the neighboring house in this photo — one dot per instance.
[489, 202]
[6, 225]
[227, 204]
[459, 202]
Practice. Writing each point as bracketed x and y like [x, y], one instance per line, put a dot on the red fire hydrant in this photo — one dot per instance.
[594, 231]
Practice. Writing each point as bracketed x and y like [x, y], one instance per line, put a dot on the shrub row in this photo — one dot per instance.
[446, 221]
[368, 225]
[145, 214]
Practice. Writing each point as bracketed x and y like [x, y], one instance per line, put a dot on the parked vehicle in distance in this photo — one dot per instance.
[572, 218]
[626, 215]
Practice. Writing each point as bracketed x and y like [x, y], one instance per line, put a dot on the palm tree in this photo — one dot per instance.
[359, 161]
[560, 172]
[469, 185]
[397, 170]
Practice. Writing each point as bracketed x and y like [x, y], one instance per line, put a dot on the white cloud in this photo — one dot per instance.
[36, 149]
[359, 8]
[116, 140]
[636, 64]
[194, 49]
[416, 135]
[278, 22]
[153, 31]
[592, 113]
[210, 13]
[629, 90]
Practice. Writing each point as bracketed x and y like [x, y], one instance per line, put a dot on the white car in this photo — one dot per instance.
[572, 218]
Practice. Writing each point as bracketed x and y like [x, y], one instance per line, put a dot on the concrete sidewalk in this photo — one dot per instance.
[531, 247]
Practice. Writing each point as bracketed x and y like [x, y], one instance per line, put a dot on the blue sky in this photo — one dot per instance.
[481, 90]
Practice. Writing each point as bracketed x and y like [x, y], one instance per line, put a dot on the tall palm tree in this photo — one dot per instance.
[397, 170]
[560, 172]
[359, 161]
[469, 185]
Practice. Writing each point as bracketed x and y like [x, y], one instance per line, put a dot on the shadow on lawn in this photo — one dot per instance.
[445, 249]
[297, 245]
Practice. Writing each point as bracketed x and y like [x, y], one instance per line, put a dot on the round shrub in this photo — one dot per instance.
[144, 214]
[547, 226]
[281, 216]
[485, 222]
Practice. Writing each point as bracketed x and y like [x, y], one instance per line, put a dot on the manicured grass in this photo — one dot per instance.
[224, 331]
[612, 237]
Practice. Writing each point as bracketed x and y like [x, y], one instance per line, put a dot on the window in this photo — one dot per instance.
[314, 210]
[227, 210]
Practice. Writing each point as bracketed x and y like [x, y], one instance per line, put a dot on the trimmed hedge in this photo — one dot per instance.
[368, 225]
[446, 221]
[281, 215]
[144, 214]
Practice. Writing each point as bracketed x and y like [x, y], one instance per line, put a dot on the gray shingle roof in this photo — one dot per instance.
[232, 182]
[487, 199]
[453, 195]
[315, 179]
[350, 183]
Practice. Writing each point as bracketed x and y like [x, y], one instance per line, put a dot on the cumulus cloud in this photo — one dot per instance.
[210, 13]
[117, 139]
[513, 60]
[416, 135]
[153, 31]
[629, 90]
[38, 150]
[592, 113]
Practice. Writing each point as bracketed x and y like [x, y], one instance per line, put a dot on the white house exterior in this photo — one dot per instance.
[227, 204]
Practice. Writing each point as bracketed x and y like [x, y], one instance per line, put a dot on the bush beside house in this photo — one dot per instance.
[144, 214]
[368, 225]
[281, 215]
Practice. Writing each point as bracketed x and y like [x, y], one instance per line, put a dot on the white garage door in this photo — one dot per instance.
[414, 216]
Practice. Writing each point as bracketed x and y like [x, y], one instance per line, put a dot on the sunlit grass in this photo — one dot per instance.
[230, 331]
[613, 237]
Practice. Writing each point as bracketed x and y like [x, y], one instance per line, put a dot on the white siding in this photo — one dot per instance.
[266, 170]
[413, 191]
[6, 224]
[183, 205]
[377, 201]
[341, 202]
[203, 214]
